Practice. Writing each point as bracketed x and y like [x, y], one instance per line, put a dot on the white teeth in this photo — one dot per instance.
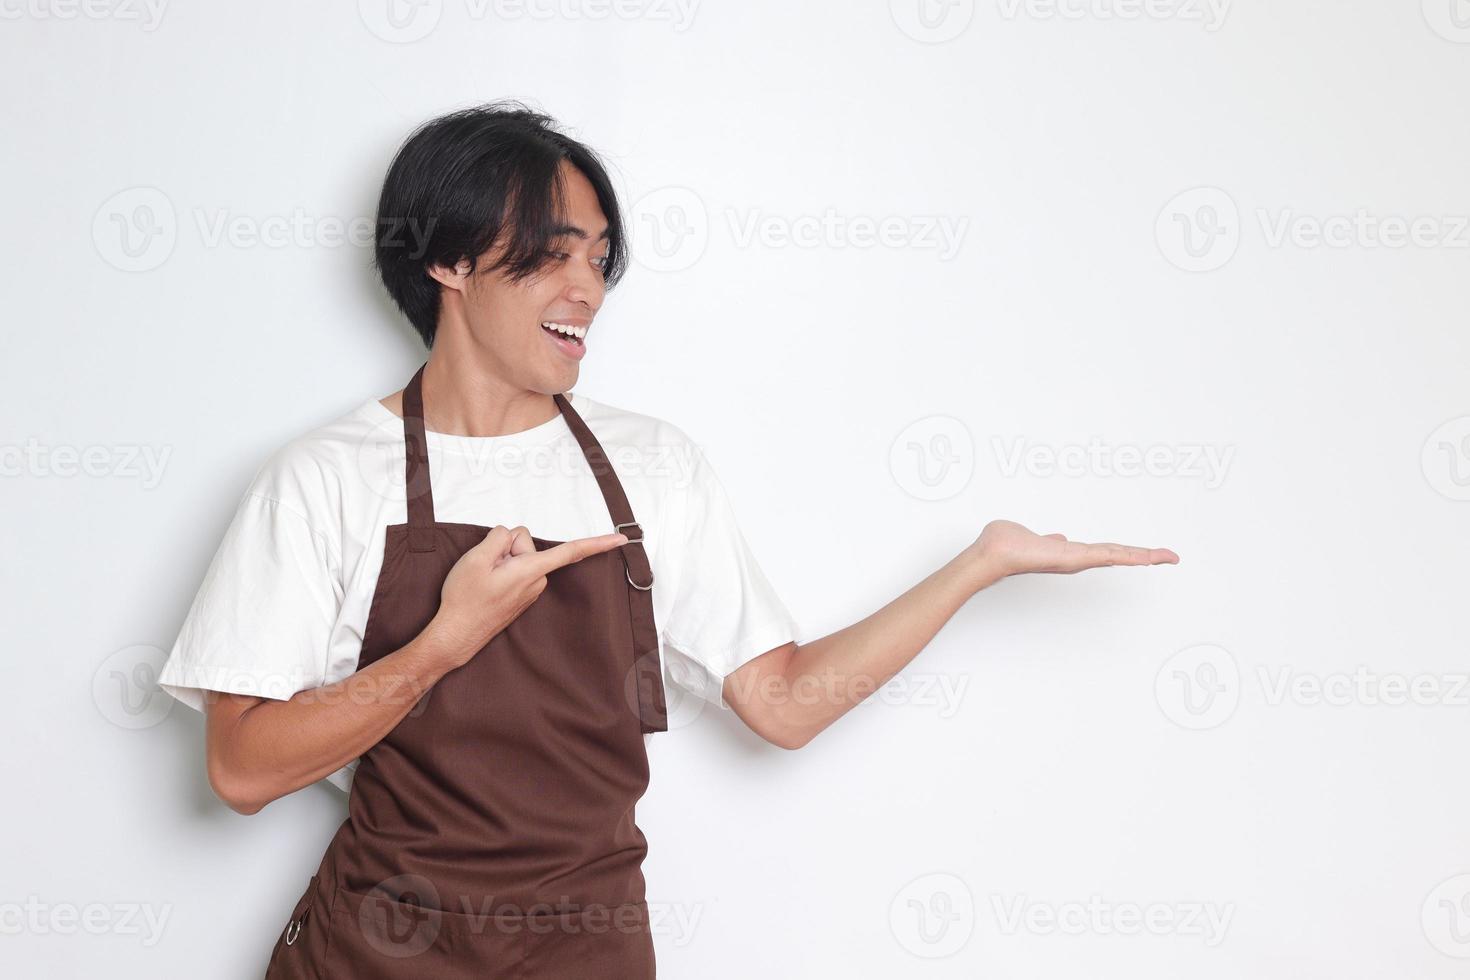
[579, 332]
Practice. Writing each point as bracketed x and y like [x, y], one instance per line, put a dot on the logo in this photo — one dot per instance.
[932, 21]
[1199, 230]
[1450, 19]
[1446, 917]
[125, 687]
[1446, 458]
[1198, 687]
[670, 229]
[933, 458]
[933, 916]
[400, 21]
[135, 230]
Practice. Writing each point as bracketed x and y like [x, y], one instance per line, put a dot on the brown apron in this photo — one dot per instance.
[490, 834]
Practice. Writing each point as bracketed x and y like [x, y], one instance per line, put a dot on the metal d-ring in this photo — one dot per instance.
[293, 929]
[628, 571]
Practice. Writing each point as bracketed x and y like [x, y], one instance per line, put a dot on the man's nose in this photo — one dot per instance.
[586, 286]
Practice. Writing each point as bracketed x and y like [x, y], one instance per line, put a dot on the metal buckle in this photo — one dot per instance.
[628, 572]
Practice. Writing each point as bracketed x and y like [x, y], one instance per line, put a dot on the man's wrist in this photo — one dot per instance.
[981, 568]
[445, 645]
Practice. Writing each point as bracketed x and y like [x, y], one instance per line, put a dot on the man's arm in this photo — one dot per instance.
[788, 695]
[259, 749]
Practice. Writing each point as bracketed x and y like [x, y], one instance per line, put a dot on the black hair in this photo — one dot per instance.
[461, 181]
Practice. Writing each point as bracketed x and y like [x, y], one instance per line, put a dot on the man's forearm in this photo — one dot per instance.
[274, 747]
[811, 685]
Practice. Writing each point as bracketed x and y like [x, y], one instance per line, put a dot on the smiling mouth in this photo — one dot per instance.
[566, 332]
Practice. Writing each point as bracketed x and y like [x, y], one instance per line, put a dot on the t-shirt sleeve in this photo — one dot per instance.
[262, 619]
[724, 611]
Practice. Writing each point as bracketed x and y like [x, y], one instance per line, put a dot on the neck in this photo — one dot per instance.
[465, 397]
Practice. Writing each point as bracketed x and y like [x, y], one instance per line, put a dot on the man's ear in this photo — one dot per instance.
[454, 277]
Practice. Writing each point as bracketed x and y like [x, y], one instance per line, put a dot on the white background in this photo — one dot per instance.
[1120, 739]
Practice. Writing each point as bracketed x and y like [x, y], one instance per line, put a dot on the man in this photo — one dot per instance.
[420, 600]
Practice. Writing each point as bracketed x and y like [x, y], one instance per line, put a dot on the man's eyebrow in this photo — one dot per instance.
[560, 230]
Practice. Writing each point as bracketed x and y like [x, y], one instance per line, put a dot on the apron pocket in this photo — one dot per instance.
[598, 941]
[373, 937]
[297, 953]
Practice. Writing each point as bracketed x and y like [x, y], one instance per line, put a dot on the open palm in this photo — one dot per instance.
[1015, 550]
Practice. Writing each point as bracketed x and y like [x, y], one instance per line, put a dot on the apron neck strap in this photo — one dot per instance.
[640, 573]
[416, 454]
[421, 495]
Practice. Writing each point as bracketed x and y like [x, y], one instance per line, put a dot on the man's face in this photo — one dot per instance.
[506, 318]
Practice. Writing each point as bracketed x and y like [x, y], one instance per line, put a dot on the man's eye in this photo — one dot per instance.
[601, 261]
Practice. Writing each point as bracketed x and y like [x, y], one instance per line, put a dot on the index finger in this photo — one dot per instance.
[570, 551]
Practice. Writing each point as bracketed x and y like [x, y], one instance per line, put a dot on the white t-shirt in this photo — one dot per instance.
[285, 600]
